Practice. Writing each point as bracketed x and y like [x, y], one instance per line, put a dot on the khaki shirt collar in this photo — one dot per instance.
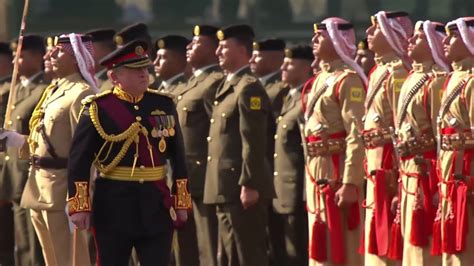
[333, 66]
[464, 65]
[385, 59]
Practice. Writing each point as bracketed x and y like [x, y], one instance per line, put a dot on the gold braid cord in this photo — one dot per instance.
[182, 198]
[38, 114]
[129, 136]
[81, 201]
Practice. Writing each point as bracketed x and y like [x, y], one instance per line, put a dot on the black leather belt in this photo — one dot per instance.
[47, 162]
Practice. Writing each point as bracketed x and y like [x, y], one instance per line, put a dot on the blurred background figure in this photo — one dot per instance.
[364, 56]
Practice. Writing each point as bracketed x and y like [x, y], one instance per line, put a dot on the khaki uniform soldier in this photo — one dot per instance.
[194, 106]
[267, 58]
[30, 87]
[6, 214]
[170, 63]
[418, 108]
[334, 173]
[238, 180]
[51, 126]
[451, 236]
[384, 86]
[103, 43]
[288, 221]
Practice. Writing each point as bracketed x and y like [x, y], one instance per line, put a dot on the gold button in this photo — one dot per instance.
[232, 169]
[136, 107]
[280, 118]
[275, 155]
[209, 139]
[18, 117]
[275, 173]
[13, 107]
[212, 120]
[198, 162]
[142, 167]
[180, 97]
[216, 102]
[285, 126]
[276, 136]
[7, 158]
[209, 158]
[10, 123]
[185, 109]
[223, 114]
[139, 118]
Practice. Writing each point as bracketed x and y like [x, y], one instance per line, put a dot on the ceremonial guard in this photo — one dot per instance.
[267, 58]
[30, 87]
[418, 108]
[194, 105]
[103, 43]
[238, 180]
[334, 173]
[51, 127]
[453, 234]
[128, 134]
[388, 39]
[170, 63]
[288, 220]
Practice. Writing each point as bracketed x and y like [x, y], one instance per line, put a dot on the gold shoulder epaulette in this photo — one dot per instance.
[91, 98]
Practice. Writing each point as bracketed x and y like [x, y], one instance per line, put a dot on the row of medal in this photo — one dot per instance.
[164, 128]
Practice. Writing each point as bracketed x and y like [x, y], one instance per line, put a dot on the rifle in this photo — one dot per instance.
[12, 96]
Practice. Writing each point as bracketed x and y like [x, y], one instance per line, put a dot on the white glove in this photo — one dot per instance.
[14, 139]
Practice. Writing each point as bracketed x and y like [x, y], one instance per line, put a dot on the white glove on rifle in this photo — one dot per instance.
[14, 139]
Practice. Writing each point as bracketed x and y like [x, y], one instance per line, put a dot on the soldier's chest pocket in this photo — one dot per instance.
[56, 115]
[190, 112]
[226, 115]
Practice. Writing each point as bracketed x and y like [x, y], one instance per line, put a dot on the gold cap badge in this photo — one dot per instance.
[49, 41]
[220, 35]
[161, 44]
[139, 50]
[197, 30]
[288, 53]
[56, 39]
[256, 47]
[118, 40]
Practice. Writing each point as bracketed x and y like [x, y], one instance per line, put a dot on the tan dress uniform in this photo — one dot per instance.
[455, 163]
[334, 104]
[15, 172]
[276, 90]
[289, 236]
[194, 105]
[418, 108]
[385, 83]
[237, 156]
[46, 189]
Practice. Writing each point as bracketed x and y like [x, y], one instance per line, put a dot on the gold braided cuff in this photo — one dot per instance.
[81, 201]
[182, 200]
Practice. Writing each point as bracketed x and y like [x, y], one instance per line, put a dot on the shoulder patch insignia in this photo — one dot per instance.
[255, 103]
[356, 94]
